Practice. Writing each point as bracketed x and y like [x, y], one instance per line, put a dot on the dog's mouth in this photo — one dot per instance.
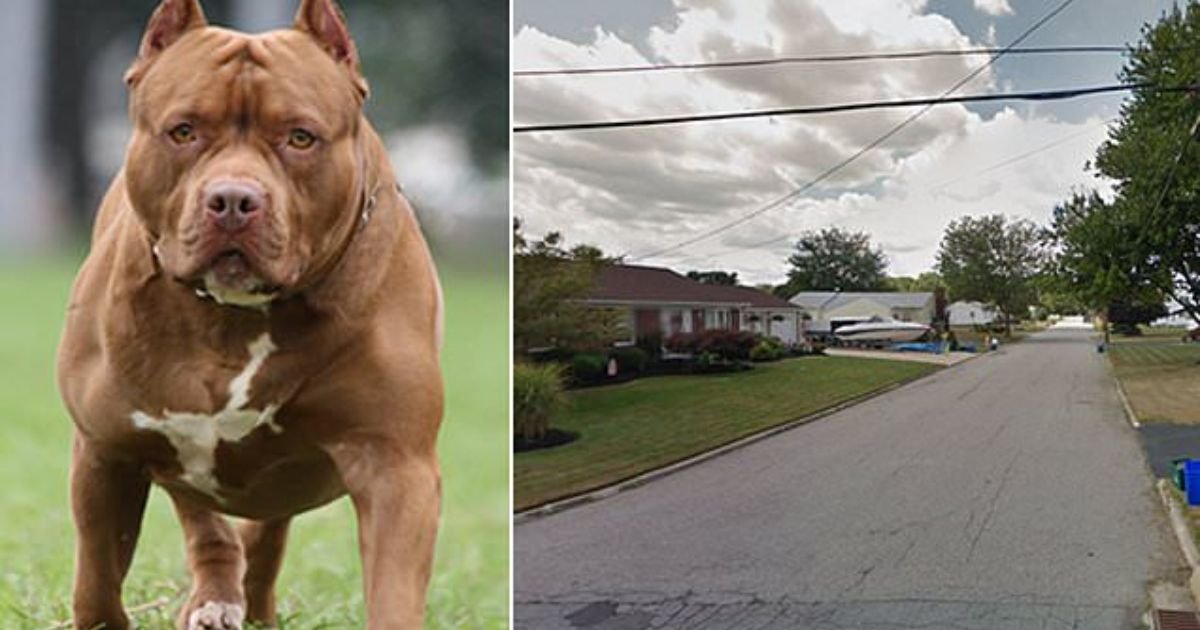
[232, 278]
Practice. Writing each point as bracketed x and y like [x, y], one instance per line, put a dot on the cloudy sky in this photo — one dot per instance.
[635, 191]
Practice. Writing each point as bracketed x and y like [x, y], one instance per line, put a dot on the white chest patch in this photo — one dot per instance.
[195, 435]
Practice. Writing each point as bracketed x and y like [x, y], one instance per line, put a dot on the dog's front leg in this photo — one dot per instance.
[108, 498]
[215, 560]
[264, 542]
[397, 498]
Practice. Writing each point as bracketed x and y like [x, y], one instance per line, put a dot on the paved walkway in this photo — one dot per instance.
[1006, 493]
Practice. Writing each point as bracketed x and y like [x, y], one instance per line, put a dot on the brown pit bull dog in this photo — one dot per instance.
[256, 329]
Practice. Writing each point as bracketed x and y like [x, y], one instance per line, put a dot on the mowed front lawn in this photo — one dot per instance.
[1160, 376]
[321, 583]
[629, 429]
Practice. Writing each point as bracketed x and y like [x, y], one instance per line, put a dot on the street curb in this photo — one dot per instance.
[1183, 534]
[1112, 371]
[1129, 414]
[554, 507]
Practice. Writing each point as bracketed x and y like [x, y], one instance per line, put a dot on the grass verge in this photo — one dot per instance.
[320, 586]
[628, 429]
[1160, 376]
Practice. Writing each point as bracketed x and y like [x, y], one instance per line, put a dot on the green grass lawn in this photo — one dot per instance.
[969, 334]
[645, 424]
[320, 585]
[1160, 376]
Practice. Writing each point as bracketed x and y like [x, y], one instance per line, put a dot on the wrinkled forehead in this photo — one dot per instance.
[218, 73]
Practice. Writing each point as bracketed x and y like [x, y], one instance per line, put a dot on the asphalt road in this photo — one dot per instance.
[1007, 492]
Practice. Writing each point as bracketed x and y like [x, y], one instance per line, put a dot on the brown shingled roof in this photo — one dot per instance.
[759, 299]
[635, 283]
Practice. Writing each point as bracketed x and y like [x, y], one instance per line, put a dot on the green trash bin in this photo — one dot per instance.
[1177, 477]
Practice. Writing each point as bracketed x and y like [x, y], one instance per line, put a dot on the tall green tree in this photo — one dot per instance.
[1096, 260]
[992, 260]
[549, 284]
[926, 282]
[835, 259]
[1155, 161]
[724, 278]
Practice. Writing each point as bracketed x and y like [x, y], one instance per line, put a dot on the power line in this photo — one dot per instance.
[820, 59]
[1038, 96]
[829, 172]
[1022, 156]
[988, 169]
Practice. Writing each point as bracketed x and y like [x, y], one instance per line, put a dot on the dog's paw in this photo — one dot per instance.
[217, 616]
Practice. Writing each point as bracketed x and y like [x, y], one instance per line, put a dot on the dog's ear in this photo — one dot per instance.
[324, 21]
[170, 21]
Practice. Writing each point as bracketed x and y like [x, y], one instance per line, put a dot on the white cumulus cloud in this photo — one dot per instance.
[994, 7]
[637, 190]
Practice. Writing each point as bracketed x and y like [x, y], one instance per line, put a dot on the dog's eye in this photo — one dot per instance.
[182, 133]
[301, 139]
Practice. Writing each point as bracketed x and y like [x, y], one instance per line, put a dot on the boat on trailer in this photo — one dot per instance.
[878, 330]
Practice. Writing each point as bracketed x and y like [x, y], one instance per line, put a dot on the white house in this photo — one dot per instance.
[825, 307]
[971, 314]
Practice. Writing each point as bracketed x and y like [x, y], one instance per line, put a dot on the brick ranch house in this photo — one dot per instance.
[656, 300]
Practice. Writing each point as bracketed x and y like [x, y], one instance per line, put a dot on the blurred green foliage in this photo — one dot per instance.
[438, 61]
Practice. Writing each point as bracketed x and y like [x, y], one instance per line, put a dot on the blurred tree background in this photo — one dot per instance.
[438, 71]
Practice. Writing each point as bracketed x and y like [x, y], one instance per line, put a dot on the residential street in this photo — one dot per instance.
[1005, 493]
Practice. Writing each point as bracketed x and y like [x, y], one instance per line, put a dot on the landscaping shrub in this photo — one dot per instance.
[652, 345]
[724, 345]
[767, 349]
[629, 359]
[537, 397]
[681, 343]
[762, 352]
[589, 367]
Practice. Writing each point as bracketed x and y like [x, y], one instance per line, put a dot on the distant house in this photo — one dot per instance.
[971, 314]
[827, 307]
[658, 301]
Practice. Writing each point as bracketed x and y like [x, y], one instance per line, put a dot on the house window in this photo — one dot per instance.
[674, 321]
[717, 318]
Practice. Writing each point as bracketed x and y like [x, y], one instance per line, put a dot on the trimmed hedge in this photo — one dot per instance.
[629, 359]
[589, 367]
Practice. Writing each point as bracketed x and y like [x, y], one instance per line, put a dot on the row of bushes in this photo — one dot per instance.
[594, 367]
[725, 345]
[708, 348]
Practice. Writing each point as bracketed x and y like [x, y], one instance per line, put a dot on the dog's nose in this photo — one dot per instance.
[233, 204]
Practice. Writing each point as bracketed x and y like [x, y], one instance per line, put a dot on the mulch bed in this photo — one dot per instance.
[552, 438]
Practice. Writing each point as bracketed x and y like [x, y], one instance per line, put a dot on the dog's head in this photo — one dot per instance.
[246, 161]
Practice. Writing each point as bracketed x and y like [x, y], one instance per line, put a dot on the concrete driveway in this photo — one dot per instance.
[1008, 492]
